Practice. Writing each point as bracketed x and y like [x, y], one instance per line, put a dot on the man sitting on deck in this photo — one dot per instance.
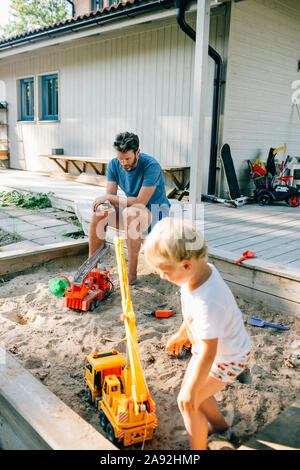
[140, 177]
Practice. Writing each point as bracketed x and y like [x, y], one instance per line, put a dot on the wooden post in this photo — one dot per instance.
[199, 102]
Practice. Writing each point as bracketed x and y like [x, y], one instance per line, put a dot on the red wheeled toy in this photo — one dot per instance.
[268, 187]
[90, 285]
[87, 296]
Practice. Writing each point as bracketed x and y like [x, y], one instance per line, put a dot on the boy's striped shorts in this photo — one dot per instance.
[228, 372]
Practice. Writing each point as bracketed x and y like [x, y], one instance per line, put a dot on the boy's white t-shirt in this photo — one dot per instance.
[211, 311]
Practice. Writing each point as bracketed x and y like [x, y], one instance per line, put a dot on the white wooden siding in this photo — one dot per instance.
[263, 53]
[140, 81]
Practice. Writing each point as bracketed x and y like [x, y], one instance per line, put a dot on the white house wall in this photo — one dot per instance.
[263, 54]
[140, 81]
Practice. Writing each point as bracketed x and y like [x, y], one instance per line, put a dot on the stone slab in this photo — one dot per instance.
[36, 233]
[64, 229]
[42, 221]
[49, 240]
[16, 212]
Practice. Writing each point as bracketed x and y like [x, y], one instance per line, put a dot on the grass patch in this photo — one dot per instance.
[27, 200]
[7, 238]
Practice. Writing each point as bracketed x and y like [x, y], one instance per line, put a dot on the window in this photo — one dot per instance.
[96, 5]
[50, 97]
[27, 99]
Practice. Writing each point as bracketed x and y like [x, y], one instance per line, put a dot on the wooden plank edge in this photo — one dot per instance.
[271, 301]
[33, 418]
[18, 261]
[257, 264]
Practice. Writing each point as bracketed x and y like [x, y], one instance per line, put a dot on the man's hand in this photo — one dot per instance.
[100, 200]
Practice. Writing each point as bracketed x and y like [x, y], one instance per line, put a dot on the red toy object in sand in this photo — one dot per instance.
[87, 295]
[160, 313]
[246, 254]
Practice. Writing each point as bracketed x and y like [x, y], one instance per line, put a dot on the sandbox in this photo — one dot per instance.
[51, 342]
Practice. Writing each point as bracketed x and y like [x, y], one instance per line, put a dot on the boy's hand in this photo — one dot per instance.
[175, 343]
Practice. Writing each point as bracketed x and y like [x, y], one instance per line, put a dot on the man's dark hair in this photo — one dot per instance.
[126, 141]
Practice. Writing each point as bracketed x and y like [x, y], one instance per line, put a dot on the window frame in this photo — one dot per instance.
[22, 83]
[44, 115]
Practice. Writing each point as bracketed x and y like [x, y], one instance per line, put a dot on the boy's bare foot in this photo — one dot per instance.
[132, 280]
[218, 442]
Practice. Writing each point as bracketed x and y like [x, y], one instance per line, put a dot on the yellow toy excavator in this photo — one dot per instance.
[119, 390]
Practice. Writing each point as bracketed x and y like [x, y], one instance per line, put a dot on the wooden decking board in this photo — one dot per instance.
[230, 245]
[273, 232]
[295, 264]
[213, 225]
[261, 241]
[243, 218]
[239, 231]
[212, 222]
[287, 256]
[274, 250]
[243, 215]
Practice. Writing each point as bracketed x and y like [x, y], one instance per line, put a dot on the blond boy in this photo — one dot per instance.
[212, 322]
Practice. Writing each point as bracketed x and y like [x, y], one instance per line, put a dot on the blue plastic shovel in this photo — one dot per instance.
[258, 322]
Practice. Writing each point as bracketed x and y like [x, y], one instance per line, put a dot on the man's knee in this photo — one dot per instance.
[98, 225]
[136, 219]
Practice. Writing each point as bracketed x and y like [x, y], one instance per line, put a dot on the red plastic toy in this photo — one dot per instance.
[87, 296]
[246, 254]
[90, 285]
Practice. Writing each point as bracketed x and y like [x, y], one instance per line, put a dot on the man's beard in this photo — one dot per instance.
[131, 167]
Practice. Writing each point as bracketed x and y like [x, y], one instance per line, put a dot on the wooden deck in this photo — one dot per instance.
[273, 233]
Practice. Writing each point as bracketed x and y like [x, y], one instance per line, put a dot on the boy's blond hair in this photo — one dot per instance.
[173, 240]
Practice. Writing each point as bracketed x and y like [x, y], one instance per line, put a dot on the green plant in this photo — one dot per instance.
[28, 200]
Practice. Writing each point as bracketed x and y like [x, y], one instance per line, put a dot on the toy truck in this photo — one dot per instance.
[90, 285]
[119, 390]
[87, 295]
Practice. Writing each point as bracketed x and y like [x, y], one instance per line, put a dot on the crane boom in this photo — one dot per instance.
[86, 267]
[140, 392]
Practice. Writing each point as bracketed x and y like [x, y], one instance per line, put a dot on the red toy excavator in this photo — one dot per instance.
[89, 285]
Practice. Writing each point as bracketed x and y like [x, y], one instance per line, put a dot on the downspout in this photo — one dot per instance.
[181, 7]
[73, 7]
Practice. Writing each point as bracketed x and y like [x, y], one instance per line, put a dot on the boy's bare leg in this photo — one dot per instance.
[214, 416]
[136, 220]
[196, 423]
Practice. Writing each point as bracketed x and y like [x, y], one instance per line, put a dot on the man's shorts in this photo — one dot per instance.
[228, 372]
[158, 213]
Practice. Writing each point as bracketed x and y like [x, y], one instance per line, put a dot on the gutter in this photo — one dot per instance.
[218, 82]
[94, 19]
[73, 7]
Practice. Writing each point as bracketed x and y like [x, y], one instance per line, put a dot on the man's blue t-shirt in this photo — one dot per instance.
[148, 172]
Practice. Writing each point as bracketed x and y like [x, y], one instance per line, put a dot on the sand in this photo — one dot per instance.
[52, 342]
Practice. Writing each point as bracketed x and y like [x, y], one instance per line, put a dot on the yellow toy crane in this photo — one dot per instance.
[119, 390]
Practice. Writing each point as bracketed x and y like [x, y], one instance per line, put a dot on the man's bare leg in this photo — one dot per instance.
[136, 220]
[98, 227]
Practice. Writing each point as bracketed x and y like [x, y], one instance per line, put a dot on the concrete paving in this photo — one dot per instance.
[36, 227]
[64, 194]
